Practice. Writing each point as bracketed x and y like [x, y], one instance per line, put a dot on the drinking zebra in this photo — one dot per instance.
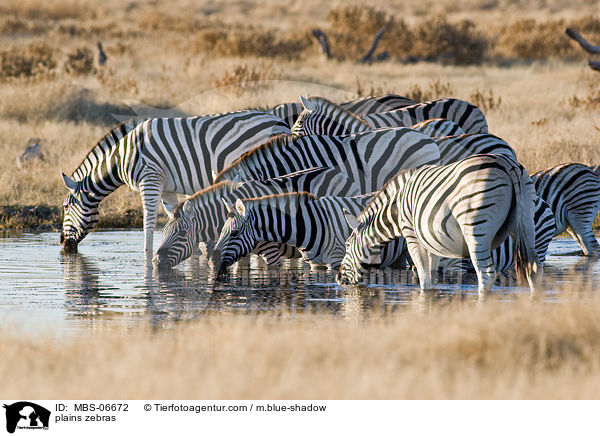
[369, 159]
[289, 112]
[160, 158]
[321, 116]
[463, 209]
[572, 191]
[200, 217]
[314, 225]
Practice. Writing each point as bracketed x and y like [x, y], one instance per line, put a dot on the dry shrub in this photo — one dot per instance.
[250, 41]
[155, 21]
[484, 101]
[80, 62]
[34, 59]
[591, 100]
[434, 89]
[364, 89]
[531, 40]
[435, 38]
[243, 78]
[352, 29]
[45, 10]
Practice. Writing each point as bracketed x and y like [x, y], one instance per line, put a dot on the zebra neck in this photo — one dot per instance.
[284, 223]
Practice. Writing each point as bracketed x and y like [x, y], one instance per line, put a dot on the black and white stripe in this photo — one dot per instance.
[160, 158]
[457, 210]
[572, 191]
[200, 217]
[321, 116]
[314, 225]
[369, 159]
[289, 112]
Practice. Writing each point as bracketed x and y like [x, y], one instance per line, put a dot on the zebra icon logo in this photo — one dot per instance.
[26, 415]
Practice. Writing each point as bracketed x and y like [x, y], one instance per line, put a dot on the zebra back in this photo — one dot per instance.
[438, 127]
[455, 148]
[369, 159]
[468, 116]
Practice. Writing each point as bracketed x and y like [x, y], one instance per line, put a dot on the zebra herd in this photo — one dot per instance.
[367, 183]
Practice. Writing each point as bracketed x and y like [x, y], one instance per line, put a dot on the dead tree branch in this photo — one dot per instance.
[369, 56]
[594, 65]
[590, 48]
[323, 43]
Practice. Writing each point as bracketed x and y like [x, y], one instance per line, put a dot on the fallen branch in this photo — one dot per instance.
[323, 43]
[590, 48]
[368, 57]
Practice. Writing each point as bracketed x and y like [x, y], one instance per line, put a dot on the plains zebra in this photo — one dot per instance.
[572, 191]
[159, 157]
[465, 208]
[314, 225]
[200, 217]
[289, 112]
[323, 117]
[455, 148]
[368, 159]
[503, 255]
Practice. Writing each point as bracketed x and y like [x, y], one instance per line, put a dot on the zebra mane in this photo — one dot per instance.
[108, 141]
[282, 139]
[328, 104]
[208, 194]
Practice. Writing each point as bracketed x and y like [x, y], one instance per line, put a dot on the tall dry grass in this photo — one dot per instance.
[520, 350]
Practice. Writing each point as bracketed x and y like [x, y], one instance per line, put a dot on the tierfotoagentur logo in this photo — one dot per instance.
[26, 415]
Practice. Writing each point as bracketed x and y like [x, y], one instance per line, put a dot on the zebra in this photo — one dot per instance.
[315, 225]
[456, 148]
[503, 255]
[465, 208]
[321, 116]
[368, 159]
[289, 112]
[200, 217]
[159, 157]
[573, 192]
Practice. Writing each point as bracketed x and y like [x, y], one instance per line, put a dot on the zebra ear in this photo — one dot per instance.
[352, 221]
[239, 206]
[187, 208]
[69, 182]
[307, 104]
[214, 175]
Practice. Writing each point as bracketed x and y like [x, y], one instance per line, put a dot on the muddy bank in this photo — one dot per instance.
[48, 218]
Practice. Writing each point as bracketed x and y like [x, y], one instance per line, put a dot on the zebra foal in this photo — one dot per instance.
[463, 209]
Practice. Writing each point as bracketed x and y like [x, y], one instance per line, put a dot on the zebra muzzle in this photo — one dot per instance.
[69, 245]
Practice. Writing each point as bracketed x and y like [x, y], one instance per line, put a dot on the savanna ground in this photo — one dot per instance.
[509, 57]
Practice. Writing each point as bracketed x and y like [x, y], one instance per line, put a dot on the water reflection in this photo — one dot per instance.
[108, 280]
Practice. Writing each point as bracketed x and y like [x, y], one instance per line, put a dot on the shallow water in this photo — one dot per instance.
[109, 283]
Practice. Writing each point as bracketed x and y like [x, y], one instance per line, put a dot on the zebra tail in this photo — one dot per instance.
[527, 263]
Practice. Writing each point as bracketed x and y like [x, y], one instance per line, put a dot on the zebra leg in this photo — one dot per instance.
[421, 261]
[150, 191]
[433, 266]
[484, 268]
[580, 229]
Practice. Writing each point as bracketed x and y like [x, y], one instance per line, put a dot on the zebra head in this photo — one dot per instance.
[360, 255]
[304, 122]
[80, 214]
[237, 239]
[180, 236]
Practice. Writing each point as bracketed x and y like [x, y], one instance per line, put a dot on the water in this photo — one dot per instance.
[108, 282]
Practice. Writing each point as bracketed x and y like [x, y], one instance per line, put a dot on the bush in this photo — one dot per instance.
[36, 58]
[435, 89]
[244, 78]
[80, 62]
[250, 41]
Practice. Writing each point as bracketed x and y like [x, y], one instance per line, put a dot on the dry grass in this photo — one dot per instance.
[520, 350]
